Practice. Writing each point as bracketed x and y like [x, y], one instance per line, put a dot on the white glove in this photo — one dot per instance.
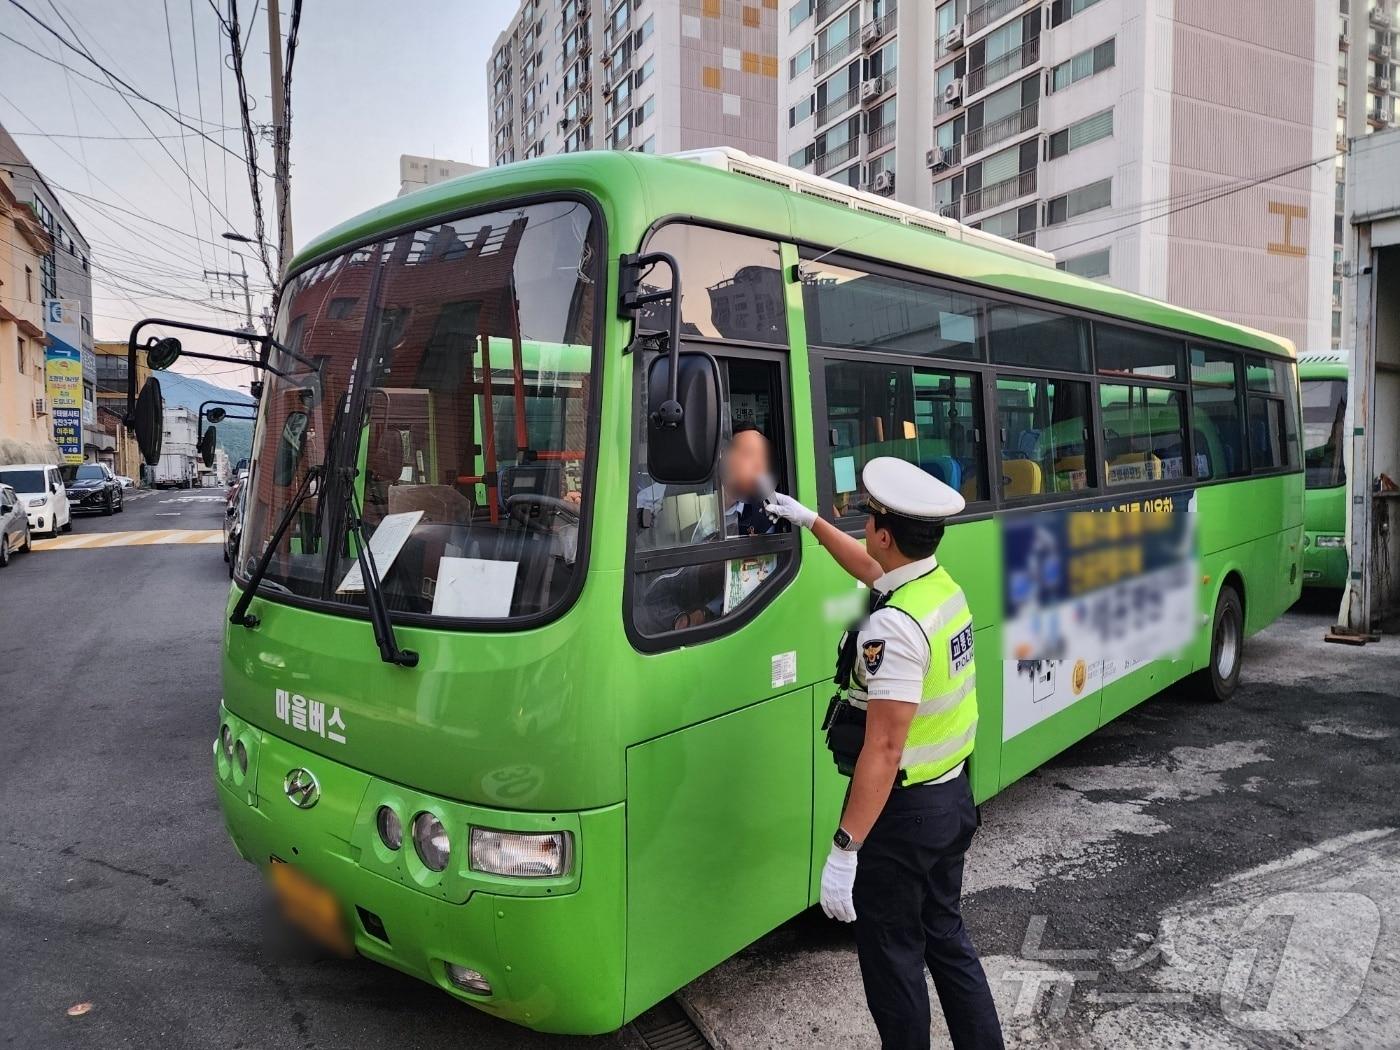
[838, 878]
[780, 507]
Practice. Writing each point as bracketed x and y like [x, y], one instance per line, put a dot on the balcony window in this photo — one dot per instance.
[1083, 65]
[799, 13]
[1092, 264]
[1063, 10]
[1079, 202]
[800, 62]
[1080, 133]
[802, 111]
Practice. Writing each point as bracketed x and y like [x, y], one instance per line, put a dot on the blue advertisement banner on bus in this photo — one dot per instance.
[1089, 595]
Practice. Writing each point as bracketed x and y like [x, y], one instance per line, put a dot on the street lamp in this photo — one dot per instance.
[229, 235]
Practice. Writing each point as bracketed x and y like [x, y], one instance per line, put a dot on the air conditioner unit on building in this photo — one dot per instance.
[1384, 51]
[41, 407]
[883, 182]
[1382, 84]
[953, 39]
[607, 92]
[936, 158]
[607, 60]
[1382, 117]
[870, 32]
[869, 89]
[953, 91]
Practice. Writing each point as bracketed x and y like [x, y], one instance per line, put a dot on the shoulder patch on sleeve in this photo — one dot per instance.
[873, 653]
[960, 650]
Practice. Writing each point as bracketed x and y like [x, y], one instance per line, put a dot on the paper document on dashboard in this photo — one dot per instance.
[388, 539]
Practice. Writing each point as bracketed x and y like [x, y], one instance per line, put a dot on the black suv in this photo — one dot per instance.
[95, 488]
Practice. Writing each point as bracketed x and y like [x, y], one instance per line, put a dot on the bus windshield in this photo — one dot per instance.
[436, 384]
[1324, 419]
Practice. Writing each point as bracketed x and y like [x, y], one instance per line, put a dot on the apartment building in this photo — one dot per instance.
[415, 172]
[657, 76]
[1153, 144]
[26, 434]
[1368, 100]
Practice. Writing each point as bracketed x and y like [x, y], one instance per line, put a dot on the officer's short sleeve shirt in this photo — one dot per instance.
[892, 657]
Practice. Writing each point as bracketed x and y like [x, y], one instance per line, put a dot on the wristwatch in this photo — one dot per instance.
[844, 842]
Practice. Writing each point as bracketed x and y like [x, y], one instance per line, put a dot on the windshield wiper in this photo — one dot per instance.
[389, 650]
[241, 617]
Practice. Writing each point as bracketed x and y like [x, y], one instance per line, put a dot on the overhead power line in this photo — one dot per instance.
[106, 85]
[130, 89]
[1205, 200]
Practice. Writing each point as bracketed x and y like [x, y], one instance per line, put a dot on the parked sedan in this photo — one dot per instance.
[14, 524]
[233, 524]
[125, 481]
[95, 489]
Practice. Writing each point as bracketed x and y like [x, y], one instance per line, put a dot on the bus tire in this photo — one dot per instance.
[1218, 681]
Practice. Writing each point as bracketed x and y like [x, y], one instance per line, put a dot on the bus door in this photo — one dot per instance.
[714, 612]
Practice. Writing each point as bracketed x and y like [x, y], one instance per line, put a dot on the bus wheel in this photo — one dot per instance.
[1220, 680]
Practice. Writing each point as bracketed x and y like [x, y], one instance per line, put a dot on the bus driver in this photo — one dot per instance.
[903, 731]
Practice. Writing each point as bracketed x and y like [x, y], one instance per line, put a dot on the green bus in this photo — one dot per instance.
[508, 706]
[1322, 377]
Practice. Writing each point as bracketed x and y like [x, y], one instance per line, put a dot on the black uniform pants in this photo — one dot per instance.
[907, 890]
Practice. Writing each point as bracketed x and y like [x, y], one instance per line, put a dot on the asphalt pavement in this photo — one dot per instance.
[1191, 875]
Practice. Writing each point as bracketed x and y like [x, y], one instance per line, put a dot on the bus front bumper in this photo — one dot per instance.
[1324, 560]
[551, 948]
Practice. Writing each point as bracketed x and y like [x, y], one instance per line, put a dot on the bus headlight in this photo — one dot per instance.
[1332, 542]
[525, 856]
[226, 742]
[431, 841]
[390, 827]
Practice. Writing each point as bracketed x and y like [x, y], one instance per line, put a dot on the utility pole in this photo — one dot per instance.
[238, 278]
[280, 138]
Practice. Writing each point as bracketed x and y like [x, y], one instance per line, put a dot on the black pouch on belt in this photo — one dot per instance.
[845, 734]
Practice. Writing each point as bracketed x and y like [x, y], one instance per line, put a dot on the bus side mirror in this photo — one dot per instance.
[149, 421]
[683, 434]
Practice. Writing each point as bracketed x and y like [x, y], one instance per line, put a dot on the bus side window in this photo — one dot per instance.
[1219, 414]
[927, 416]
[1272, 413]
[1043, 425]
[702, 538]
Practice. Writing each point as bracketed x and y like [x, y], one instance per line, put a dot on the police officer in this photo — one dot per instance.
[902, 727]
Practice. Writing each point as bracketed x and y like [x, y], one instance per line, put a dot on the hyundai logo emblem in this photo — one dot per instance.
[301, 788]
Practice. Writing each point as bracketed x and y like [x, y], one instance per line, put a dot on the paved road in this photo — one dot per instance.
[1214, 876]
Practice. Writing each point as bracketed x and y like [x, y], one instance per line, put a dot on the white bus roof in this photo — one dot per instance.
[741, 163]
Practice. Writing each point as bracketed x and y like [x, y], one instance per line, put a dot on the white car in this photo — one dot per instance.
[40, 488]
[124, 481]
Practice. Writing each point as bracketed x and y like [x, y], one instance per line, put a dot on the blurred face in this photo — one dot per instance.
[746, 461]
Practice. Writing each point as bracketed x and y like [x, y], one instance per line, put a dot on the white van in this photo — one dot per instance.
[45, 498]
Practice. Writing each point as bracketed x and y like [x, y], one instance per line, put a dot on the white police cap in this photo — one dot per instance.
[898, 487]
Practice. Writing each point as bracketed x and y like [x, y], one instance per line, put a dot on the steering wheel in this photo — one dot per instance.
[524, 500]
